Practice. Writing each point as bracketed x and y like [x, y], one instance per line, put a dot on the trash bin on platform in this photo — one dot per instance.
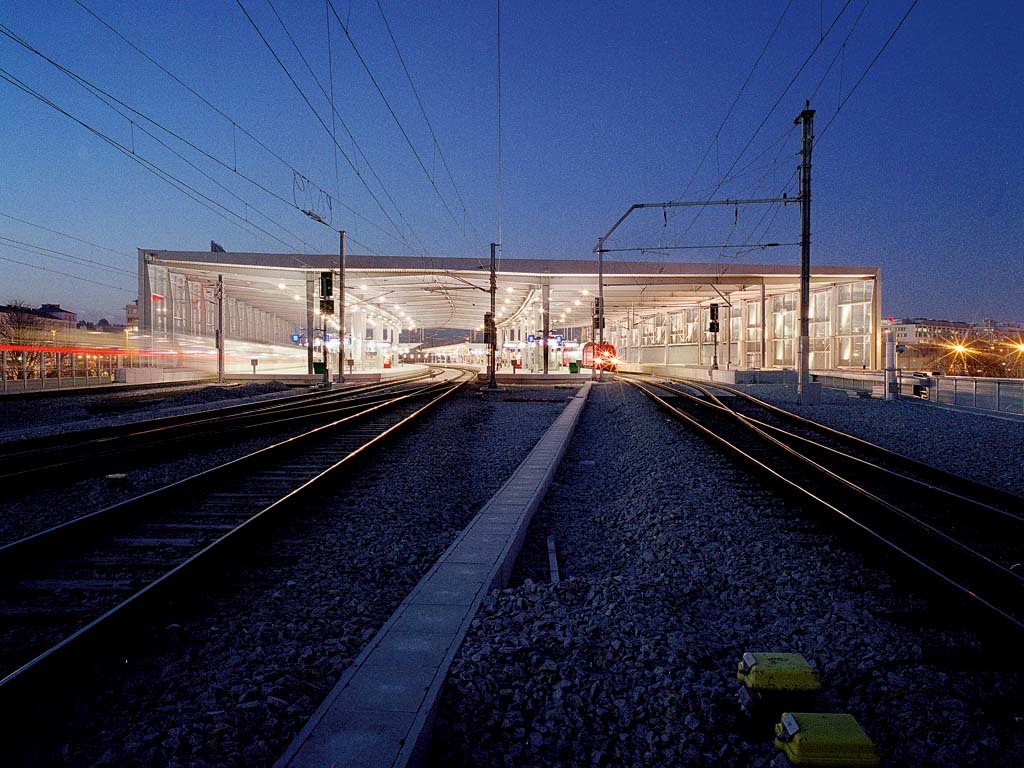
[319, 367]
[574, 366]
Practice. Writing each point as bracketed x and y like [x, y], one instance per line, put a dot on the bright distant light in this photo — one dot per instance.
[508, 301]
[577, 302]
[585, 292]
[297, 297]
[959, 348]
[510, 290]
[282, 286]
[362, 287]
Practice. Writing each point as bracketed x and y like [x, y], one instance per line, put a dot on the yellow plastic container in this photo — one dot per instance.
[819, 739]
[774, 683]
[778, 672]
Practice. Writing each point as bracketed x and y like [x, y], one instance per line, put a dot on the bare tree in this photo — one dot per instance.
[19, 325]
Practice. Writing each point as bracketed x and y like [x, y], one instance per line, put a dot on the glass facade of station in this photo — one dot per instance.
[841, 331]
[180, 306]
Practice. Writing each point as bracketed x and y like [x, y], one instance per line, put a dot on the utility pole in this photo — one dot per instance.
[220, 329]
[341, 308]
[806, 118]
[492, 381]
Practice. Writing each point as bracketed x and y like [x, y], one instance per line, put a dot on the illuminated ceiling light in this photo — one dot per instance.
[297, 297]
[585, 292]
[508, 301]
[362, 287]
[510, 290]
[282, 286]
[577, 302]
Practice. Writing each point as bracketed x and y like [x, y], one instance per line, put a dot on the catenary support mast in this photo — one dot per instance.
[806, 118]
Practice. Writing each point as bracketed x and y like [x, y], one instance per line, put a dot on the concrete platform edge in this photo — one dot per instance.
[417, 740]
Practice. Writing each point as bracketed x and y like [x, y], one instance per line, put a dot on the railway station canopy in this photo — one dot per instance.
[656, 309]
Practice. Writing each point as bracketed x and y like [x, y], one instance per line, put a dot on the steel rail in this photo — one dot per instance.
[887, 540]
[220, 423]
[931, 530]
[979, 489]
[139, 599]
[25, 445]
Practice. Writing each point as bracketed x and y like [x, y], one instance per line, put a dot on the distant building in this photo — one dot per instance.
[131, 316]
[48, 316]
[922, 331]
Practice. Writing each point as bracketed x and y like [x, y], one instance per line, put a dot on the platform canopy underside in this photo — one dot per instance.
[424, 292]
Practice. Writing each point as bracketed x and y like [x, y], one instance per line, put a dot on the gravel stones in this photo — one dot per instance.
[229, 677]
[673, 563]
[974, 445]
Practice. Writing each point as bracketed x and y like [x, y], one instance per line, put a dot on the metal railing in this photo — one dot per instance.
[1001, 395]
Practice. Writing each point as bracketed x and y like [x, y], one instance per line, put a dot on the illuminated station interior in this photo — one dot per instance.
[656, 313]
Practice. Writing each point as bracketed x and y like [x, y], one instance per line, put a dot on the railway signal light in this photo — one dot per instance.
[489, 336]
[326, 285]
[326, 306]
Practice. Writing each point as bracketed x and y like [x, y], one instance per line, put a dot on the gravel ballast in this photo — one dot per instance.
[230, 676]
[38, 504]
[20, 419]
[974, 445]
[674, 563]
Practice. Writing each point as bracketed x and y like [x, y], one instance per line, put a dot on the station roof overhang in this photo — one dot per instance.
[428, 292]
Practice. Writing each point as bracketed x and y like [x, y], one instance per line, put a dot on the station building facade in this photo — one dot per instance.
[656, 313]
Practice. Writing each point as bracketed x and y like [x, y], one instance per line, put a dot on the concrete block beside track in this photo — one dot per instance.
[382, 710]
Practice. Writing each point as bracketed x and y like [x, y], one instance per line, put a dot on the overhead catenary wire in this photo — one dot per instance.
[189, 191]
[39, 250]
[840, 49]
[106, 98]
[867, 69]
[66, 274]
[423, 111]
[739, 93]
[335, 115]
[65, 234]
[320, 119]
[774, 210]
[234, 123]
[401, 128]
[769, 113]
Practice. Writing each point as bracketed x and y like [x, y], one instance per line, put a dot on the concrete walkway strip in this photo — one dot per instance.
[382, 710]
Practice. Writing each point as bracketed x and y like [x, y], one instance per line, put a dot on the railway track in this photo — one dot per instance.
[69, 589]
[962, 534]
[124, 445]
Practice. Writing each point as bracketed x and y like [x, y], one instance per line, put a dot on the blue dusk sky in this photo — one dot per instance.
[604, 104]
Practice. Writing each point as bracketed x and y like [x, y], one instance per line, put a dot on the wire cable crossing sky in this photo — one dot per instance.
[154, 125]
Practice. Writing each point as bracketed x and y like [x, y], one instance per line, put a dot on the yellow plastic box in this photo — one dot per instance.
[778, 672]
[818, 739]
[774, 683]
